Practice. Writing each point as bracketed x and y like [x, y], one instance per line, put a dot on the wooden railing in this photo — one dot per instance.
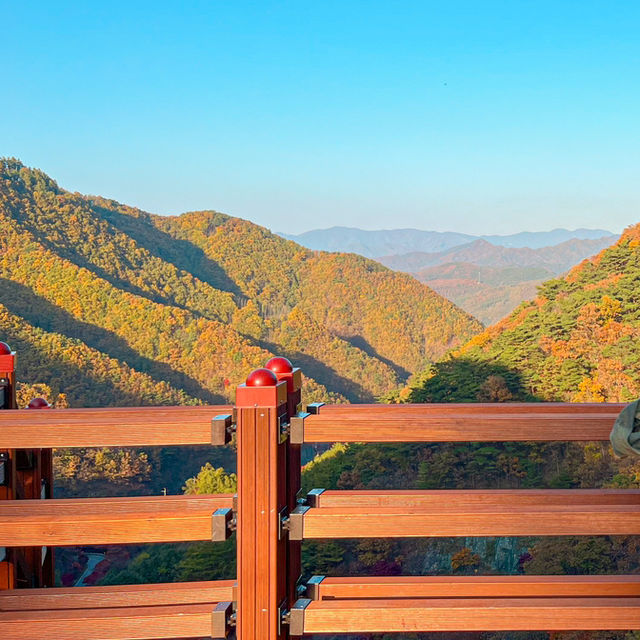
[271, 520]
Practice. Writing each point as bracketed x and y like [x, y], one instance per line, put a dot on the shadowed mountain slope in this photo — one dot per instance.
[196, 301]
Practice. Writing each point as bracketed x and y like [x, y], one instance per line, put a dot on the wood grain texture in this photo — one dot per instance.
[469, 408]
[458, 498]
[477, 614]
[390, 522]
[261, 556]
[85, 521]
[127, 623]
[165, 594]
[414, 587]
[497, 426]
[109, 427]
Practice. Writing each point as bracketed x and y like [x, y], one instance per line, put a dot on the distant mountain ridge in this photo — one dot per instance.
[553, 259]
[378, 243]
[489, 280]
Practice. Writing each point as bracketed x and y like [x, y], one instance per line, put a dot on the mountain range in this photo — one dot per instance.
[375, 244]
[489, 280]
[488, 276]
[114, 305]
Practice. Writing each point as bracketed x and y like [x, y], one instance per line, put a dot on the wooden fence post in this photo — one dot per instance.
[285, 371]
[261, 415]
[25, 474]
[36, 483]
[7, 459]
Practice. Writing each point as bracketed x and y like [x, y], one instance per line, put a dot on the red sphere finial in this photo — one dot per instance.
[279, 365]
[262, 378]
[39, 403]
[5, 349]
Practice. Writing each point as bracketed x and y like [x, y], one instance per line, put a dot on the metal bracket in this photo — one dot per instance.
[297, 428]
[301, 588]
[283, 616]
[222, 428]
[4, 469]
[4, 393]
[312, 497]
[283, 522]
[295, 617]
[222, 618]
[223, 522]
[284, 427]
[314, 407]
[313, 587]
[294, 524]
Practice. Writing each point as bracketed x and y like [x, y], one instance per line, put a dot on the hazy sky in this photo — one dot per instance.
[483, 117]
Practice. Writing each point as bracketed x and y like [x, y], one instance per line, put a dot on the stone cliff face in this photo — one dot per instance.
[499, 555]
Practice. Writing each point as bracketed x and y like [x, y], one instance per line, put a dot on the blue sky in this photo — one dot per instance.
[483, 117]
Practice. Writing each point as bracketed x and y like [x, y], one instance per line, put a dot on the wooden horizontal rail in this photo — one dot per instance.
[477, 586]
[458, 498]
[470, 520]
[89, 521]
[469, 408]
[109, 427]
[164, 426]
[109, 597]
[452, 427]
[124, 623]
[477, 614]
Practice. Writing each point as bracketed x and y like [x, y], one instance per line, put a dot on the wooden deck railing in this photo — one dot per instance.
[272, 519]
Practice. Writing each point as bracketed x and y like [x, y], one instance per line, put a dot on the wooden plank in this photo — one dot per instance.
[88, 521]
[127, 623]
[164, 594]
[108, 427]
[469, 408]
[455, 427]
[472, 520]
[456, 498]
[477, 614]
[414, 587]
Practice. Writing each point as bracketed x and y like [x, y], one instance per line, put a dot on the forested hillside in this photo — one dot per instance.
[187, 305]
[578, 340]
[600, 289]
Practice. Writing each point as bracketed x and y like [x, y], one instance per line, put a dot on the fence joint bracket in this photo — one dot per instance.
[296, 428]
[313, 587]
[314, 408]
[223, 522]
[295, 616]
[223, 617]
[222, 429]
[294, 524]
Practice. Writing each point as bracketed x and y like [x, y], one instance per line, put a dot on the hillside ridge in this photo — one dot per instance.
[197, 300]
